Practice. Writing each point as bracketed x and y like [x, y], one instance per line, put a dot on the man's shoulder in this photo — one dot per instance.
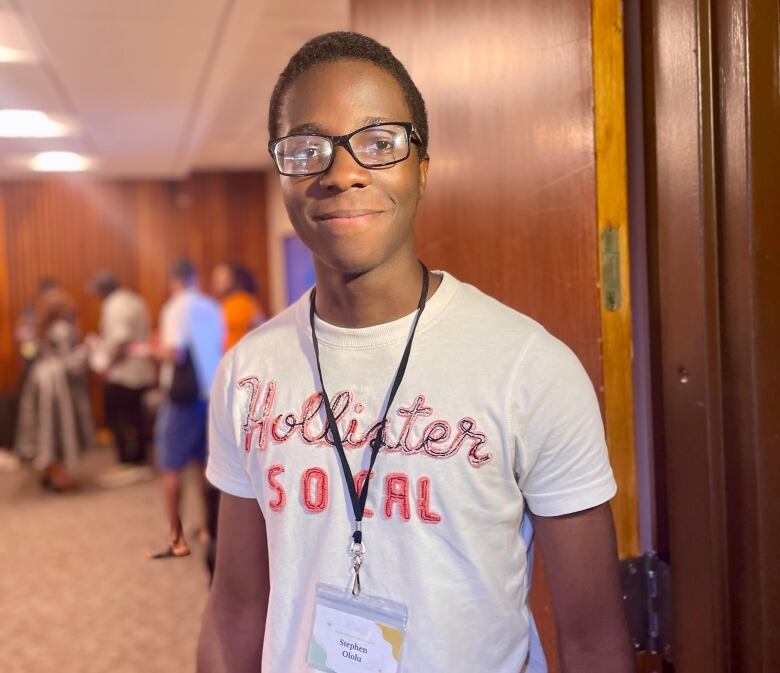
[125, 299]
[171, 308]
[478, 311]
[182, 307]
[505, 336]
[117, 298]
[208, 301]
[193, 300]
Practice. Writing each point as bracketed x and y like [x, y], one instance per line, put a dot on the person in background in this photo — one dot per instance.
[189, 348]
[127, 375]
[26, 328]
[55, 418]
[26, 337]
[234, 286]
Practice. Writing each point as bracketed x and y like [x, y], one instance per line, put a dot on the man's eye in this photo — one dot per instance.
[377, 144]
[306, 153]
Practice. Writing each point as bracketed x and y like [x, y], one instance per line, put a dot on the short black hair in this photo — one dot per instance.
[48, 283]
[243, 278]
[348, 46]
[103, 283]
[183, 269]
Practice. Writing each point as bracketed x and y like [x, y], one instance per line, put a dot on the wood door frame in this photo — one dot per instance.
[609, 95]
[687, 386]
[712, 125]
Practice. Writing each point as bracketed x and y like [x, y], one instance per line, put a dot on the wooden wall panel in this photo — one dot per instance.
[6, 336]
[511, 205]
[246, 201]
[69, 228]
[206, 218]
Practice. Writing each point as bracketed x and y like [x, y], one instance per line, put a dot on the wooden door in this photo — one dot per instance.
[526, 179]
[712, 103]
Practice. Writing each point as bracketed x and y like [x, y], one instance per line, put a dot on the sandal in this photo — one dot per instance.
[169, 552]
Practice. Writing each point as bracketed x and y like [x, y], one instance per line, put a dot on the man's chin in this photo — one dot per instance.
[347, 263]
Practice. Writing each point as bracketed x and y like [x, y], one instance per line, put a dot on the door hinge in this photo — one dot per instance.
[647, 597]
[610, 268]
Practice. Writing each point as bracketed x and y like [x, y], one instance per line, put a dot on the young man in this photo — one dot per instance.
[124, 321]
[472, 412]
[190, 345]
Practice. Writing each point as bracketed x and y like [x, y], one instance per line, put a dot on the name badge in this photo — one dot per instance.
[363, 634]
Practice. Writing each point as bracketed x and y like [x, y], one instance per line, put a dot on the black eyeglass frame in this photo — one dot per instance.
[343, 141]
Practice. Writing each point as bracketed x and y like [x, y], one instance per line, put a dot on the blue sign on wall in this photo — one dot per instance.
[298, 267]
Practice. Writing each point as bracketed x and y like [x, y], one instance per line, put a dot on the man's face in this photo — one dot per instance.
[221, 280]
[352, 218]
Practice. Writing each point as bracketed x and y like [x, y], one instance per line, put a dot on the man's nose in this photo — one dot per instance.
[345, 173]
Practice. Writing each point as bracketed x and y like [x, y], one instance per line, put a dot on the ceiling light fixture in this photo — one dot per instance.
[11, 55]
[60, 162]
[16, 42]
[32, 124]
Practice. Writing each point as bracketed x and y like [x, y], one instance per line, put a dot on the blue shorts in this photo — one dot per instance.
[180, 434]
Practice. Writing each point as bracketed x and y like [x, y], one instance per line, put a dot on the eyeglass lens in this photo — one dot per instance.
[375, 146]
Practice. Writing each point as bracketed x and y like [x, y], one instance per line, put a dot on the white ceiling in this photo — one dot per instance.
[159, 88]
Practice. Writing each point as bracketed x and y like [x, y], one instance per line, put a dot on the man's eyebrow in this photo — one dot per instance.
[366, 121]
[312, 127]
[308, 127]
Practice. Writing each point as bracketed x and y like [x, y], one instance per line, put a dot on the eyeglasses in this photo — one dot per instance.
[373, 146]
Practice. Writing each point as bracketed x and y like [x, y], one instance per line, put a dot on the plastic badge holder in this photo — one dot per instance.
[363, 634]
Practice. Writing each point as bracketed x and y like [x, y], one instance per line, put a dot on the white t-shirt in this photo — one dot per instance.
[194, 320]
[124, 318]
[493, 413]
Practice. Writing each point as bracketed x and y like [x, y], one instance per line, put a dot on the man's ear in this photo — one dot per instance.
[422, 176]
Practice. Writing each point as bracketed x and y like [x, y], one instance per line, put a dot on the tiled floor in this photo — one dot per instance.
[77, 594]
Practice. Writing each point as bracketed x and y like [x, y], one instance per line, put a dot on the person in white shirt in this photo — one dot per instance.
[127, 375]
[383, 444]
[190, 346]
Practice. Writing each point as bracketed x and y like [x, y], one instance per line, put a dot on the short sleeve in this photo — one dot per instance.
[172, 325]
[117, 323]
[562, 464]
[225, 468]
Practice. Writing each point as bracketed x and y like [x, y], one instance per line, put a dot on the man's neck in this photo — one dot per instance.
[379, 296]
[179, 288]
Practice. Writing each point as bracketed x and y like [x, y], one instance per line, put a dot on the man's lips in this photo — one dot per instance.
[344, 216]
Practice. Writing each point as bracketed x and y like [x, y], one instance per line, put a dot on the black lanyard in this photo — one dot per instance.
[359, 502]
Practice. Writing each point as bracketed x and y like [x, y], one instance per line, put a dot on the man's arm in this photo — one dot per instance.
[231, 638]
[581, 564]
[169, 343]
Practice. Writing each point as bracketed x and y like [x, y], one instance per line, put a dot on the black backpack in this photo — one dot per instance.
[184, 385]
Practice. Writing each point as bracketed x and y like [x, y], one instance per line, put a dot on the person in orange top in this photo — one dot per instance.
[234, 287]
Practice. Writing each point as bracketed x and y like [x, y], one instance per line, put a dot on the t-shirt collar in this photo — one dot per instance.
[386, 333]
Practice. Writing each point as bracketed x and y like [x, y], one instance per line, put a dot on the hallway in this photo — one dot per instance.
[77, 594]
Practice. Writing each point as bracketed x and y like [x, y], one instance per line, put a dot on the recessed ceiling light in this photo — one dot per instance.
[32, 124]
[16, 43]
[60, 162]
[11, 55]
